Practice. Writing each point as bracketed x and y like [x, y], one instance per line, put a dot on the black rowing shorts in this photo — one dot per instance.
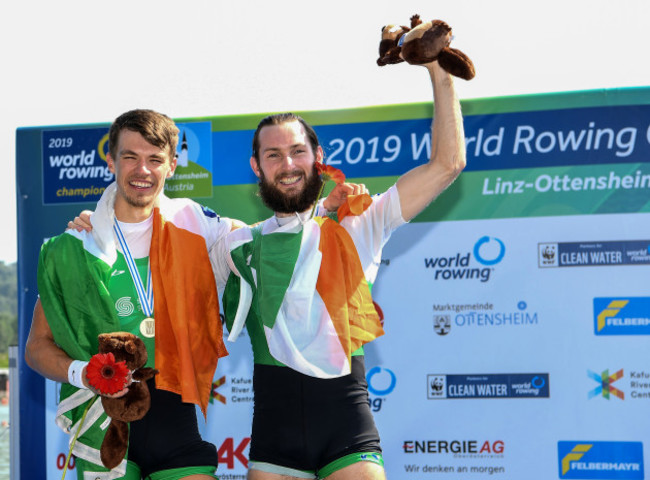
[168, 436]
[305, 423]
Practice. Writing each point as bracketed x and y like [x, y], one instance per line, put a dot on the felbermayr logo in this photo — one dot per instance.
[381, 382]
[605, 387]
[475, 265]
[600, 460]
[622, 316]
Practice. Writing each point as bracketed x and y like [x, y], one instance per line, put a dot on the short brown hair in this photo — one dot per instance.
[280, 119]
[156, 128]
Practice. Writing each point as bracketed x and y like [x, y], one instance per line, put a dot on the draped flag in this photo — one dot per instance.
[74, 269]
[302, 284]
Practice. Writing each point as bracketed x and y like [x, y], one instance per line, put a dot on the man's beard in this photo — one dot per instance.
[280, 202]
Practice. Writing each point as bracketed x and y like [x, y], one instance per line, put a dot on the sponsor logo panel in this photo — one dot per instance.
[474, 265]
[449, 316]
[622, 316]
[193, 175]
[507, 385]
[381, 383]
[442, 456]
[457, 448]
[597, 253]
[241, 390]
[74, 165]
[616, 385]
[600, 460]
[233, 454]
[75, 168]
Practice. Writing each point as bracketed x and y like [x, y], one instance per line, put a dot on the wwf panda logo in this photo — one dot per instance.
[437, 386]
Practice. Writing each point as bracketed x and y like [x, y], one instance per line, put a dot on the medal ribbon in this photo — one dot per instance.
[145, 296]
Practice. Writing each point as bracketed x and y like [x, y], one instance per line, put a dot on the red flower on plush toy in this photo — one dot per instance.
[328, 172]
[105, 374]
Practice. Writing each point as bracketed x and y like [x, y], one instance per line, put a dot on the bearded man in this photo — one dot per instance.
[300, 285]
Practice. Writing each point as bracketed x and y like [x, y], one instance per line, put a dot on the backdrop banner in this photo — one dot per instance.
[516, 311]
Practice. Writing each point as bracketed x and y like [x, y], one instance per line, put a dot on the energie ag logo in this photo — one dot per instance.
[605, 387]
[600, 460]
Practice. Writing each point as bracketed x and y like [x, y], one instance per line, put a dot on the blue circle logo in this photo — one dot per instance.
[538, 382]
[487, 240]
[380, 392]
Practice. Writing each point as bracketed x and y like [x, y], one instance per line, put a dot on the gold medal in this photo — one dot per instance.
[148, 327]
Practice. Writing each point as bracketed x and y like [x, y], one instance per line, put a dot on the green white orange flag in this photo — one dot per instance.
[304, 283]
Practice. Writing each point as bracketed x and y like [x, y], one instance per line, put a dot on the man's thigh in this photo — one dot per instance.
[359, 471]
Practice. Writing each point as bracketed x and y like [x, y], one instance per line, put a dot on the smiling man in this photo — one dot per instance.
[300, 285]
[143, 269]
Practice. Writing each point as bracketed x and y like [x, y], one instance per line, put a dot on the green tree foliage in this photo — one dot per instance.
[8, 310]
[8, 288]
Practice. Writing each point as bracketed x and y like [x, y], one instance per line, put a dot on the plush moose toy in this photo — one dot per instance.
[134, 405]
[423, 43]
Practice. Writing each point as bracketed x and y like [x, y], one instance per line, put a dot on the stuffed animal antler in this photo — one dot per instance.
[423, 43]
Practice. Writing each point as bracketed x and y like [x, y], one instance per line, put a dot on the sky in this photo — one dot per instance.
[80, 61]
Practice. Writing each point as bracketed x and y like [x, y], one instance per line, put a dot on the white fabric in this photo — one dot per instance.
[137, 236]
[220, 252]
[73, 401]
[245, 300]
[303, 336]
[183, 212]
[371, 230]
[75, 370]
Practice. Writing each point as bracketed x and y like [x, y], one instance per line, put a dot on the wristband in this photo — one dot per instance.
[75, 371]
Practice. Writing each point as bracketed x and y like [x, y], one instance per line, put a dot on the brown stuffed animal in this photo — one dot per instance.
[132, 406]
[389, 48]
[424, 43]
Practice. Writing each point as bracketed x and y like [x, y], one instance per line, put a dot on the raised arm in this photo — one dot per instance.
[420, 186]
